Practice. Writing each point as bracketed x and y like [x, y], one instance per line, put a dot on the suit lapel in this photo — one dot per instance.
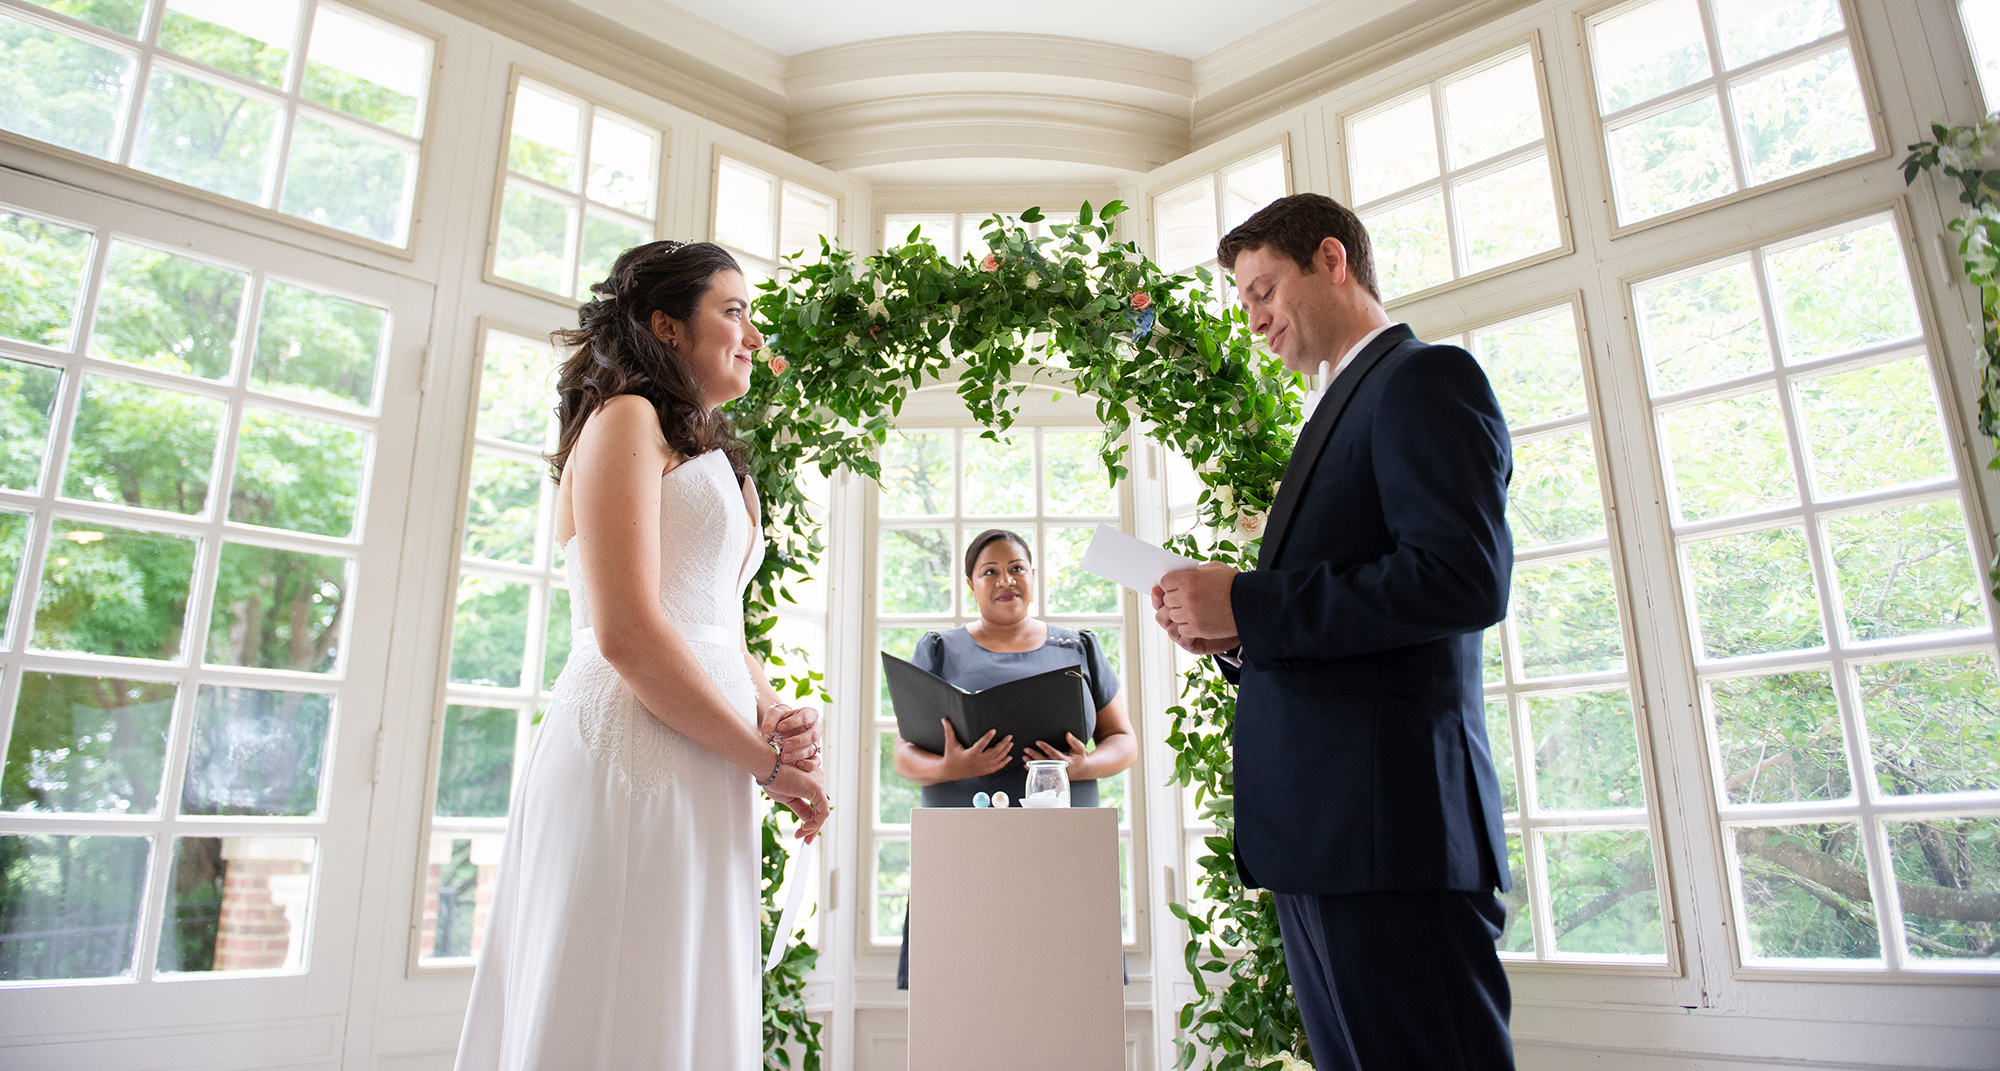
[1312, 440]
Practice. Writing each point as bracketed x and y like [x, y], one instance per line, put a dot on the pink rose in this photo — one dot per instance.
[779, 364]
[1141, 301]
[991, 263]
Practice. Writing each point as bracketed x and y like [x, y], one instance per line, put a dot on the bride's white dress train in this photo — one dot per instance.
[623, 929]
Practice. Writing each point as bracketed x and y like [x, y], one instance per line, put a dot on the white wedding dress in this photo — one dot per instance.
[623, 930]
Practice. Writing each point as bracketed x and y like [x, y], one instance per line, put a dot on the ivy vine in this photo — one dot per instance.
[851, 336]
[1957, 151]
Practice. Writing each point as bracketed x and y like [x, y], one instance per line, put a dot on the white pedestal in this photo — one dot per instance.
[1014, 940]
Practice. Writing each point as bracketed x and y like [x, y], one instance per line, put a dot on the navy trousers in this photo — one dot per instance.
[1399, 981]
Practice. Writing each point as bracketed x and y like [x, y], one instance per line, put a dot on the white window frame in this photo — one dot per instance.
[769, 264]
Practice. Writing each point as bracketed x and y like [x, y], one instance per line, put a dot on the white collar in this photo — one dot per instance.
[1326, 378]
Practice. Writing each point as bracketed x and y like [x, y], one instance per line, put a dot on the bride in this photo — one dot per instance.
[624, 927]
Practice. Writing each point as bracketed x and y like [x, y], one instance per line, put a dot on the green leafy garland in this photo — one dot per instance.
[850, 337]
[1957, 151]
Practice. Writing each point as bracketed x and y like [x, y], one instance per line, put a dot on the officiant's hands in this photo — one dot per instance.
[1077, 757]
[985, 756]
[795, 731]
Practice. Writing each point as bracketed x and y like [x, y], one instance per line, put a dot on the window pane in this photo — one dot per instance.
[14, 529]
[1872, 428]
[604, 238]
[743, 210]
[1565, 618]
[901, 642]
[917, 570]
[502, 509]
[1728, 456]
[1185, 225]
[1393, 149]
[556, 638]
[1701, 329]
[72, 905]
[135, 445]
[1801, 117]
[200, 133]
[1669, 161]
[1534, 366]
[1493, 656]
[297, 473]
[476, 762]
[1753, 29]
[461, 866]
[1412, 251]
[60, 90]
[1250, 188]
[349, 181]
[1906, 571]
[41, 279]
[1071, 589]
[252, 38]
[536, 233]
[1508, 214]
[892, 888]
[517, 390]
[1947, 870]
[114, 591]
[168, 312]
[999, 477]
[894, 795]
[621, 164]
[278, 609]
[28, 394]
[1074, 475]
[1805, 893]
[240, 904]
[1554, 497]
[1517, 932]
[257, 752]
[1982, 32]
[1500, 739]
[1931, 724]
[1648, 51]
[802, 217]
[896, 231]
[1586, 751]
[1497, 109]
[1753, 593]
[544, 136]
[1872, 304]
[1603, 894]
[489, 634]
[916, 474]
[1780, 738]
[87, 745]
[367, 70]
[122, 16]
[318, 347]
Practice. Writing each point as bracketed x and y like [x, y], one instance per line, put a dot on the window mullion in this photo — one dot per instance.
[1724, 95]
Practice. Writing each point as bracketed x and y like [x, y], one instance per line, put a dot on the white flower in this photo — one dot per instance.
[1227, 496]
[1251, 524]
[1285, 1061]
[954, 312]
[877, 308]
[1031, 280]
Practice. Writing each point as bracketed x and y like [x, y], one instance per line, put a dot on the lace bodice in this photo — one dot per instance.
[706, 560]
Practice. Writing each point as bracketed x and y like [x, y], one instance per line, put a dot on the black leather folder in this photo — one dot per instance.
[1046, 707]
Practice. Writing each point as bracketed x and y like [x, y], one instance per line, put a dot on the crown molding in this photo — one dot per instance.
[983, 125]
[717, 74]
[953, 55]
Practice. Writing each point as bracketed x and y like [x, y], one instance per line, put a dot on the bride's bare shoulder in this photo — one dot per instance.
[626, 425]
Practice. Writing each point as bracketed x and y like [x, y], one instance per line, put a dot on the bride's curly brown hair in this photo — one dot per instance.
[615, 351]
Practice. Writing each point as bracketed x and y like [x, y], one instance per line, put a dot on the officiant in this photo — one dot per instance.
[1006, 644]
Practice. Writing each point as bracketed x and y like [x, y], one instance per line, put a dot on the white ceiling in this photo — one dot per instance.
[1187, 28]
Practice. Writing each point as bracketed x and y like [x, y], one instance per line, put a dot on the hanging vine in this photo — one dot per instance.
[851, 336]
[1957, 151]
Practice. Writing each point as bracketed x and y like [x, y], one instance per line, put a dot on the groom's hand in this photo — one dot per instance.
[1193, 606]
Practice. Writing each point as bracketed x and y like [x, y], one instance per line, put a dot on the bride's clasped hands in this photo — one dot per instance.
[794, 732]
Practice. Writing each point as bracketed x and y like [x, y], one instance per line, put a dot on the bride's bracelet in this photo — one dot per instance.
[777, 760]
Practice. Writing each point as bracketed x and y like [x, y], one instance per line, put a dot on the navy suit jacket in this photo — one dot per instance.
[1361, 759]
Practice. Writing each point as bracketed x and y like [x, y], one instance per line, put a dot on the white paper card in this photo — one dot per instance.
[1129, 562]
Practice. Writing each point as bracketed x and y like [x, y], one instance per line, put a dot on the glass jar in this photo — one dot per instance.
[1048, 784]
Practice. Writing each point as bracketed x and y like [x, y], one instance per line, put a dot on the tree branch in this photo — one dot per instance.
[1930, 901]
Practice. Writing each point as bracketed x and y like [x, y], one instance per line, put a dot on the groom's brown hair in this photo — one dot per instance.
[1295, 226]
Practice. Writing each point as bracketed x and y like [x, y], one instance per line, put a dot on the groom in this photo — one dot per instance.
[1365, 793]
